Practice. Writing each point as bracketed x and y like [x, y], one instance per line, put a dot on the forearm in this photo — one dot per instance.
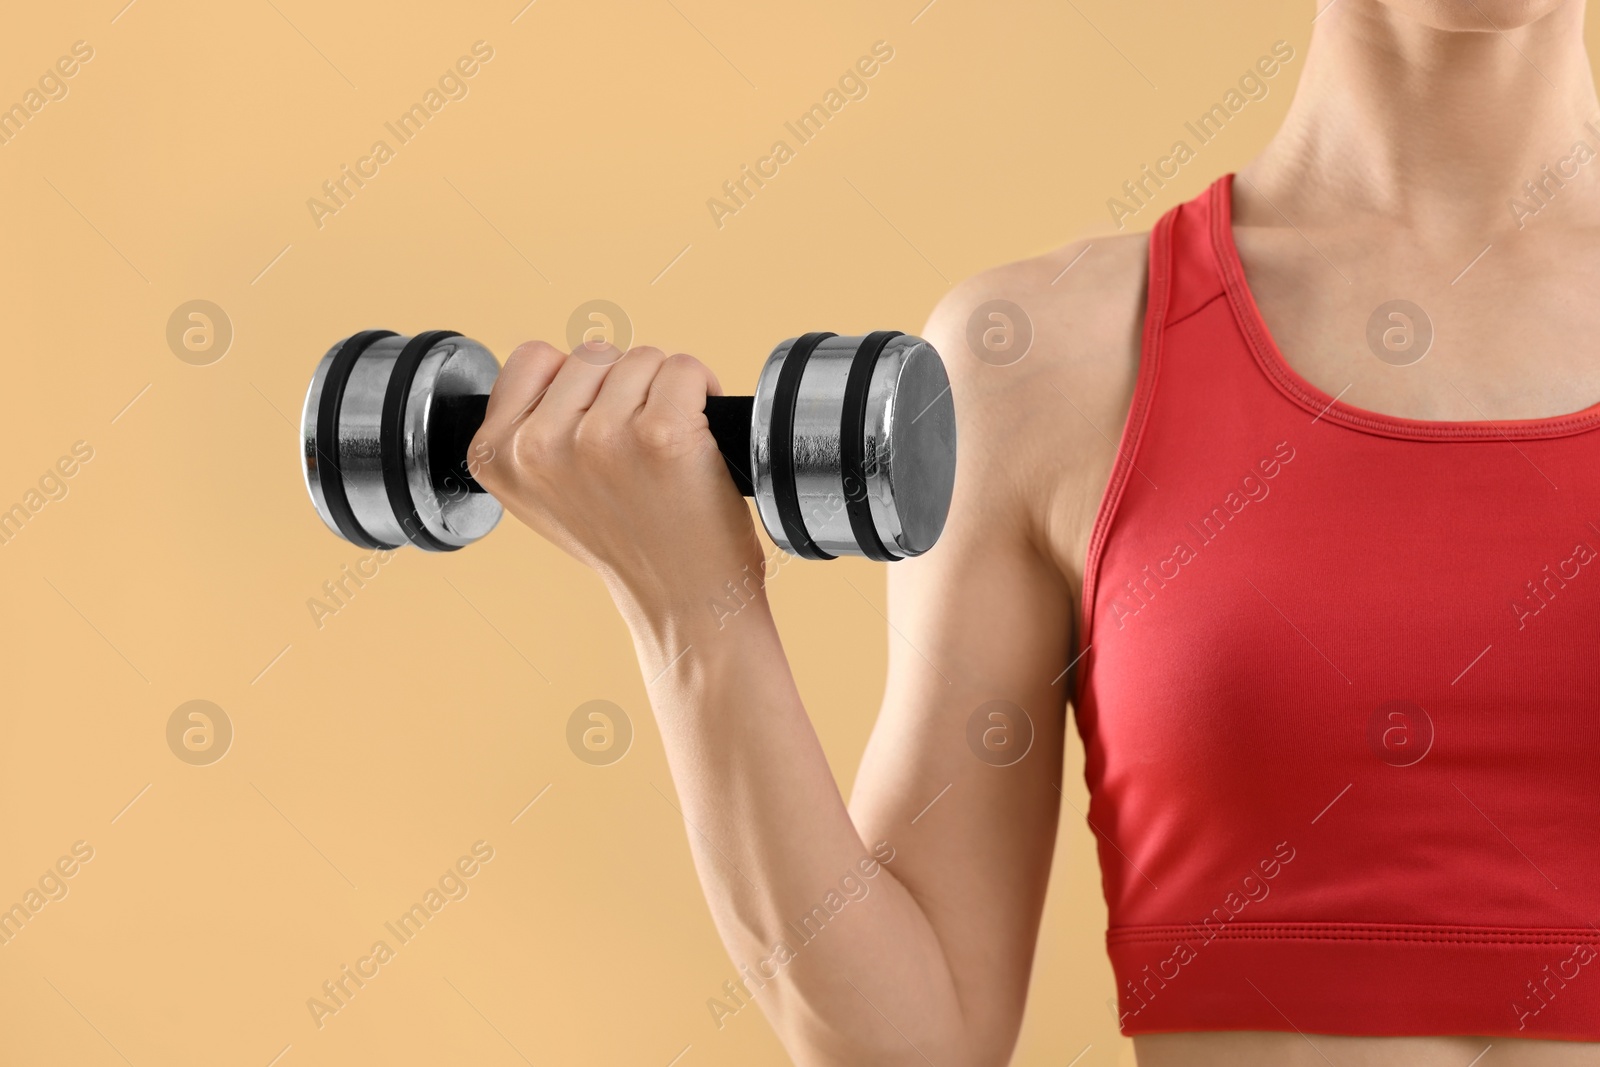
[824, 937]
[609, 456]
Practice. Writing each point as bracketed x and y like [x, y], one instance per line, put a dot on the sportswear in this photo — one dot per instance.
[1339, 691]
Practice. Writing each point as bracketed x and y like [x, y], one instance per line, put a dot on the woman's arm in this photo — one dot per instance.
[901, 931]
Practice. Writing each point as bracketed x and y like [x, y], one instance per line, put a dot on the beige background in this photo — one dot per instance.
[370, 753]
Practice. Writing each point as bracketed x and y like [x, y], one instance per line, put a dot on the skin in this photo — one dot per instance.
[1413, 124]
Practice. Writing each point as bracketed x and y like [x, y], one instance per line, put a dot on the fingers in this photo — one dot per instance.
[523, 381]
[626, 386]
[578, 382]
[666, 394]
[678, 394]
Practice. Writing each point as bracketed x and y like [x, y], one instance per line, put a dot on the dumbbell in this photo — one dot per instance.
[848, 445]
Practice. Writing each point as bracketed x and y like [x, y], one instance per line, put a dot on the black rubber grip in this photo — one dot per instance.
[329, 474]
[451, 426]
[729, 417]
[785, 494]
[853, 444]
[391, 439]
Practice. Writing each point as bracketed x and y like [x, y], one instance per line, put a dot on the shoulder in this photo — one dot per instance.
[1043, 355]
[1091, 278]
[1066, 322]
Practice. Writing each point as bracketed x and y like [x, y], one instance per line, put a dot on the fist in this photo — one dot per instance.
[608, 455]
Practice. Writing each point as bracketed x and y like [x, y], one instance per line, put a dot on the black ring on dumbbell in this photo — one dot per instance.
[330, 476]
[784, 492]
[852, 444]
[391, 439]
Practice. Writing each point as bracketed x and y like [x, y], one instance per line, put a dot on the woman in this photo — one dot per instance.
[1327, 602]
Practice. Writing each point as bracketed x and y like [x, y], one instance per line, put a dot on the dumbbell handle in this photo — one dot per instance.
[458, 419]
[730, 419]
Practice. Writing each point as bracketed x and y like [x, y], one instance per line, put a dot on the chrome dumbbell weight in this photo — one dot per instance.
[848, 445]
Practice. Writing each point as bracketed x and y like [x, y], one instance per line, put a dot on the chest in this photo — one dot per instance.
[1487, 330]
[1288, 604]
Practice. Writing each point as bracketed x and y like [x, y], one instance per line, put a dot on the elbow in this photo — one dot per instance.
[827, 1027]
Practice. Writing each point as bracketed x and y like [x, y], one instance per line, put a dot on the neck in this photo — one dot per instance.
[1433, 129]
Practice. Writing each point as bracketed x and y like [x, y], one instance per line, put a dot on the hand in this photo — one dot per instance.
[609, 456]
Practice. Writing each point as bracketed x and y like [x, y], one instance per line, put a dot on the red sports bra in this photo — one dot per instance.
[1341, 699]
